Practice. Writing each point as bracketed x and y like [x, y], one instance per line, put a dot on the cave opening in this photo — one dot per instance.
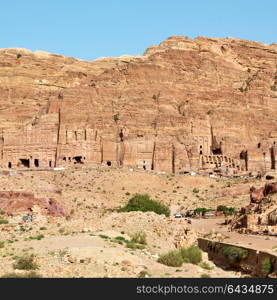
[272, 157]
[244, 156]
[109, 163]
[201, 150]
[50, 163]
[217, 151]
[121, 136]
[9, 165]
[78, 160]
[25, 162]
[36, 163]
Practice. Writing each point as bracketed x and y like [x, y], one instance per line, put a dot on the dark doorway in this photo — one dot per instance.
[109, 163]
[9, 165]
[272, 156]
[144, 167]
[25, 163]
[121, 136]
[78, 160]
[36, 162]
[244, 156]
[217, 151]
[50, 163]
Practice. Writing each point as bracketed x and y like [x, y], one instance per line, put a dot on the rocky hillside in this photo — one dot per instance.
[169, 109]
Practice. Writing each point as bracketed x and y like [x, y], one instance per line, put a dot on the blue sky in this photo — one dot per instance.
[90, 29]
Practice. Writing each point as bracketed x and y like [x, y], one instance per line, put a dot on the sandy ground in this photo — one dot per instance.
[83, 244]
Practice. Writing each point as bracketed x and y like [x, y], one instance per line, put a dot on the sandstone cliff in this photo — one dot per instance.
[183, 105]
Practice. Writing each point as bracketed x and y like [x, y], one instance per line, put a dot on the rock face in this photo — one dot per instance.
[260, 216]
[257, 195]
[14, 203]
[184, 105]
[158, 228]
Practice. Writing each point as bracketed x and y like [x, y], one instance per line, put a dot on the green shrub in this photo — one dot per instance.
[192, 255]
[242, 89]
[138, 241]
[205, 275]
[143, 274]
[267, 266]
[200, 210]
[214, 246]
[221, 208]
[234, 254]
[134, 246]
[139, 238]
[103, 236]
[2, 244]
[144, 203]
[37, 237]
[171, 259]
[195, 191]
[116, 117]
[226, 210]
[121, 238]
[25, 263]
[3, 221]
[205, 266]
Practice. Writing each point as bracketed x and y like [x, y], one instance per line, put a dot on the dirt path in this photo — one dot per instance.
[257, 242]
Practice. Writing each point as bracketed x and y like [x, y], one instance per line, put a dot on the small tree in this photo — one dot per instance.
[116, 117]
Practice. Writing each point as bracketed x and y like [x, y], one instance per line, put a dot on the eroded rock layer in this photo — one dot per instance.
[260, 216]
[183, 105]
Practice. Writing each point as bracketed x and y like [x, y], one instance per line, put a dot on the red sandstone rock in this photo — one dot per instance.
[270, 188]
[256, 195]
[183, 105]
[235, 191]
[14, 203]
[260, 216]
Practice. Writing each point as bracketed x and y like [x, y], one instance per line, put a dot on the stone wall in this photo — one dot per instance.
[252, 264]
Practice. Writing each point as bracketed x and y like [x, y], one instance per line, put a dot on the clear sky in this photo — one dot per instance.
[88, 29]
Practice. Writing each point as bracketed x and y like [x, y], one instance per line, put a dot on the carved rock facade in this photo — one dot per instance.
[184, 105]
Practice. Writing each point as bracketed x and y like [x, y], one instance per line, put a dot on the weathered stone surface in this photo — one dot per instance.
[260, 216]
[183, 105]
[14, 203]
